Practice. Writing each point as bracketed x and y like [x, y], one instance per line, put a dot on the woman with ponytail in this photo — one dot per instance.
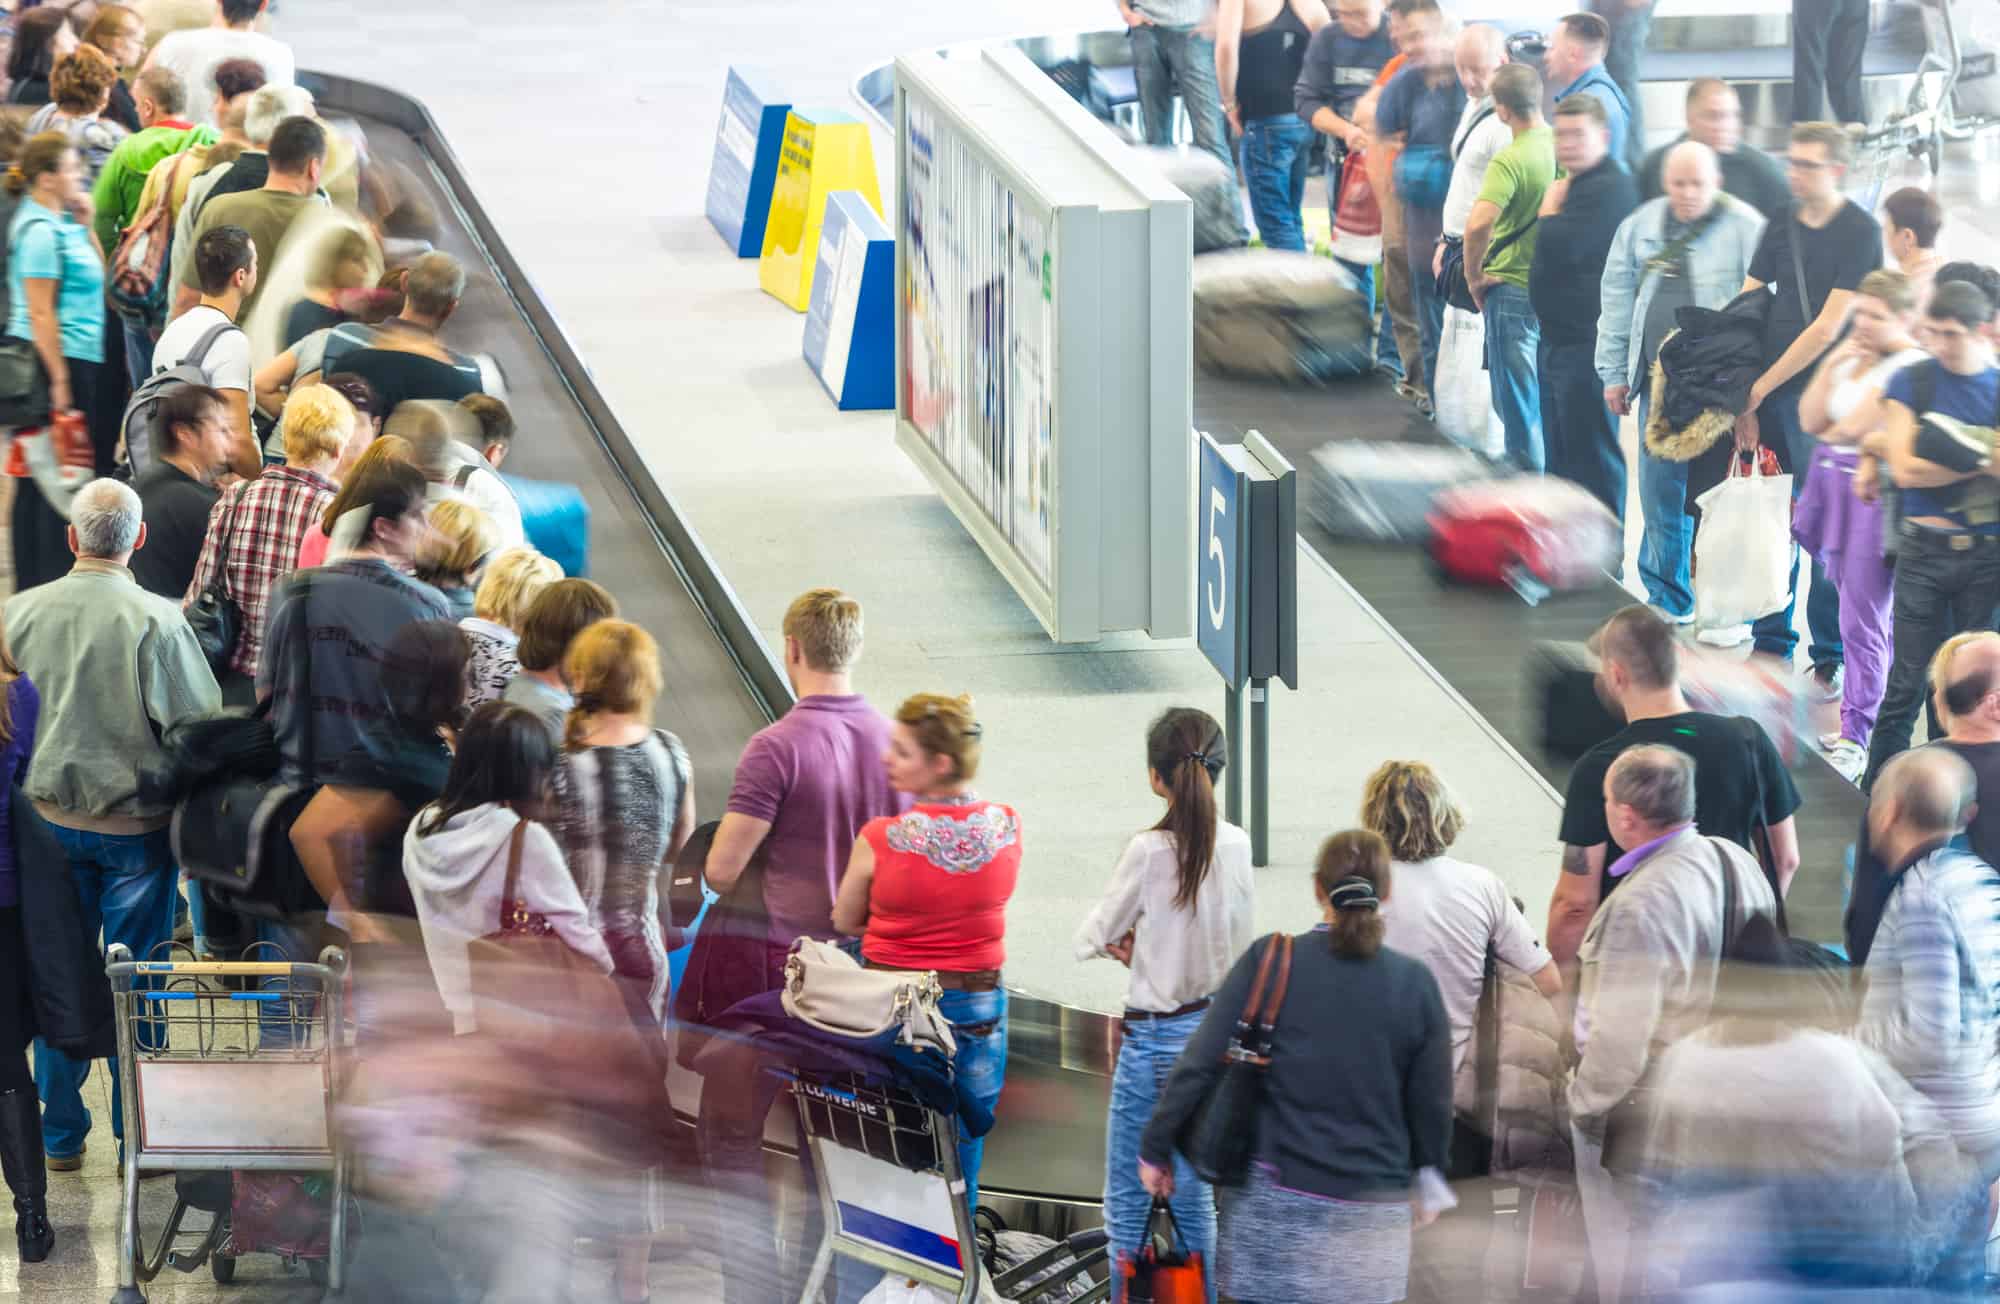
[1178, 913]
[1355, 1115]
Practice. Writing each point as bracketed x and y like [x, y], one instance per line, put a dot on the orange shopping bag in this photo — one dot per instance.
[1165, 1270]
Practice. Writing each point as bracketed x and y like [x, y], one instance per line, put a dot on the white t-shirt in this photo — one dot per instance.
[194, 55]
[1445, 912]
[1851, 389]
[1180, 955]
[1476, 149]
[227, 363]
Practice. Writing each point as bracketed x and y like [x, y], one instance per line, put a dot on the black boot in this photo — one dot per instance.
[27, 1174]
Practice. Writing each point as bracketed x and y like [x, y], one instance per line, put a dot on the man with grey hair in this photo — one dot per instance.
[1650, 960]
[116, 667]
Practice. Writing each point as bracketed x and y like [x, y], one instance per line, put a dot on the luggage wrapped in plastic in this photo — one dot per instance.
[1211, 190]
[1529, 532]
[1276, 315]
[1383, 491]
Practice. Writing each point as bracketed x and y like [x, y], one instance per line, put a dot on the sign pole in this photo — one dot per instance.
[1260, 772]
[1232, 733]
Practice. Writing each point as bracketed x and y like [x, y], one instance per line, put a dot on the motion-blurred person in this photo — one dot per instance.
[556, 616]
[1934, 435]
[225, 265]
[178, 494]
[253, 535]
[1629, 25]
[40, 37]
[1500, 237]
[1574, 65]
[194, 54]
[1715, 119]
[1580, 217]
[466, 540]
[117, 667]
[1689, 248]
[1173, 53]
[80, 88]
[1260, 46]
[512, 582]
[1177, 913]
[1452, 916]
[1342, 60]
[1335, 1181]
[1649, 965]
[55, 283]
[121, 34]
[928, 890]
[1741, 790]
[1839, 519]
[318, 545]
[21, 1156]
[1911, 221]
[1829, 39]
[1465, 410]
[402, 358]
[162, 132]
[1420, 109]
[343, 260]
[1399, 342]
[438, 433]
[496, 427]
[297, 154]
[1929, 1004]
[1830, 242]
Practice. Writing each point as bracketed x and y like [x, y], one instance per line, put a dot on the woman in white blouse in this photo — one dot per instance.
[1177, 913]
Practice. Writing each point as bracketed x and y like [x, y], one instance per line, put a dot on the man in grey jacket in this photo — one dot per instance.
[1650, 962]
[116, 667]
[1690, 247]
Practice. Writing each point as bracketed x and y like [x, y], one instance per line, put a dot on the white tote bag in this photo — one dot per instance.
[1743, 550]
[1463, 395]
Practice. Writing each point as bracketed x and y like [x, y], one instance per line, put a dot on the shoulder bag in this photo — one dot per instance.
[1219, 1140]
[214, 616]
[731, 957]
[24, 382]
[1451, 283]
[524, 948]
[829, 989]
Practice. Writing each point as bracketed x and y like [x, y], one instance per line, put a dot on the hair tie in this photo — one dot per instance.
[1354, 893]
[588, 702]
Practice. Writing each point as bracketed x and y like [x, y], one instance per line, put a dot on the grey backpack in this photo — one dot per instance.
[138, 434]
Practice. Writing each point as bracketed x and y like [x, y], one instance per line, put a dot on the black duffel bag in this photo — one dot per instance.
[1562, 682]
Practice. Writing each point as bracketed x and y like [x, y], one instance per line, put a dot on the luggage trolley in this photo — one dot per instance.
[892, 1195]
[219, 1080]
[1933, 114]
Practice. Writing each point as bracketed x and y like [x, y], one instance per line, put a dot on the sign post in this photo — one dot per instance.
[1246, 603]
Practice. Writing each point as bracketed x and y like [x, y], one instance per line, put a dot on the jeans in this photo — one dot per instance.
[1774, 635]
[1667, 544]
[1166, 59]
[1513, 339]
[1613, 1211]
[1579, 432]
[1829, 38]
[125, 884]
[1383, 349]
[1145, 1058]
[979, 1025]
[1277, 155]
[1940, 591]
[138, 351]
[1422, 228]
[1631, 28]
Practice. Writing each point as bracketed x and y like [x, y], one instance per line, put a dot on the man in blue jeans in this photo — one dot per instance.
[1170, 53]
[1257, 70]
[117, 668]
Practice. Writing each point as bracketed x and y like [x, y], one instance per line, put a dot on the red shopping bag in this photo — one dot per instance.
[1165, 1270]
[1357, 213]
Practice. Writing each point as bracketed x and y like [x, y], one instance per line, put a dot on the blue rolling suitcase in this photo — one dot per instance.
[557, 520]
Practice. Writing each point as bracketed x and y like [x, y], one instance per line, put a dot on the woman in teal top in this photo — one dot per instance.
[55, 297]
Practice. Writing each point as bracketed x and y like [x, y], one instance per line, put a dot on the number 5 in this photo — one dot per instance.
[1217, 506]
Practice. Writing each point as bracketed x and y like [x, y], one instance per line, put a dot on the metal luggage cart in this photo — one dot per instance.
[891, 1194]
[217, 1079]
[1931, 115]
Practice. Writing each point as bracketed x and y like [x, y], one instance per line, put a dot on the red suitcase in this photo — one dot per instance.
[1532, 533]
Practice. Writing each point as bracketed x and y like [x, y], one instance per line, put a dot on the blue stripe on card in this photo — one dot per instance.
[925, 1246]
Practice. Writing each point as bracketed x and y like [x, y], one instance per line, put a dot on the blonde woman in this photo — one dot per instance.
[513, 581]
[466, 542]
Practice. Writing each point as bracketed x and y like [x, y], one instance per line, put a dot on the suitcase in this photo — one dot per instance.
[1382, 492]
[1270, 314]
[1211, 191]
[1532, 533]
[557, 520]
[1562, 678]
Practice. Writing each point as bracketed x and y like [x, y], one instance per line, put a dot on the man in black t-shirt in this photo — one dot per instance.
[1835, 243]
[177, 496]
[1741, 785]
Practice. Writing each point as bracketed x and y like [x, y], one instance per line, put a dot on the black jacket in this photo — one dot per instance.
[71, 995]
[1570, 249]
[1714, 357]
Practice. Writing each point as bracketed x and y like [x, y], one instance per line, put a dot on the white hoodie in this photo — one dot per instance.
[459, 873]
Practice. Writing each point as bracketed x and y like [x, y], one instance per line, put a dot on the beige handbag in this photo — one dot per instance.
[829, 989]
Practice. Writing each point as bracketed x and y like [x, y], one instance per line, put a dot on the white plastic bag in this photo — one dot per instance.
[1463, 395]
[900, 1290]
[1743, 550]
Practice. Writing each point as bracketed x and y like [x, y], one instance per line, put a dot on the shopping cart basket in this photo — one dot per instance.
[892, 1195]
[221, 1080]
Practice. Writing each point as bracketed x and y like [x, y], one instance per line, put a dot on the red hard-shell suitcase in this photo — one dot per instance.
[1530, 532]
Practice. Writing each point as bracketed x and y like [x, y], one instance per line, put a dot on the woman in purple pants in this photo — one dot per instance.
[1839, 515]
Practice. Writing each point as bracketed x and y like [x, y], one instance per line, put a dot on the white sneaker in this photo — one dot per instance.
[1849, 758]
[1829, 741]
[1669, 616]
[1725, 636]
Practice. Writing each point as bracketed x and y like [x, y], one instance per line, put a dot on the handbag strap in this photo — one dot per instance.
[1508, 239]
[220, 582]
[1274, 997]
[1247, 1018]
[512, 892]
[1797, 237]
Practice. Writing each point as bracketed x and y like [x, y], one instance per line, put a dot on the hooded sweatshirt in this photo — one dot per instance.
[458, 875]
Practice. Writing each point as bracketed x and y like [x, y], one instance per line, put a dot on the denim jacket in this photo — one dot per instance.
[1717, 262]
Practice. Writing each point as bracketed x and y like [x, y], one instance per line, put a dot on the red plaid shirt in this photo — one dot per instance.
[273, 513]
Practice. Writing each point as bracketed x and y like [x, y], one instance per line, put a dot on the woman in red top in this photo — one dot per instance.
[928, 889]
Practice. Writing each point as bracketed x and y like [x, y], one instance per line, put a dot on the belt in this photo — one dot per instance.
[1948, 540]
[976, 980]
[1149, 1016]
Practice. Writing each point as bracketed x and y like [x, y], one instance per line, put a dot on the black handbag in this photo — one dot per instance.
[1221, 1136]
[24, 384]
[214, 616]
[1451, 285]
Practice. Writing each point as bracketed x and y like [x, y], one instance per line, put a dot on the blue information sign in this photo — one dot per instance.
[850, 340]
[747, 141]
[1221, 543]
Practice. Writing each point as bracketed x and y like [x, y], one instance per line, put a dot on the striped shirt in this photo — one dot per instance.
[1933, 1001]
[272, 514]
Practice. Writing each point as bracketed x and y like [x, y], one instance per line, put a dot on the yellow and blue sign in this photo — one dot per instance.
[823, 152]
[745, 169]
[850, 340]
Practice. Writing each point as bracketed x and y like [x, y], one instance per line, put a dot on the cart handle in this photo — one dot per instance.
[212, 996]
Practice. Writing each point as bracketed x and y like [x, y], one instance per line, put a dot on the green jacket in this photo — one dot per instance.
[116, 667]
[123, 179]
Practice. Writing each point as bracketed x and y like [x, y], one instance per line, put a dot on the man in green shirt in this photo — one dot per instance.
[161, 98]
[1499, 249]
